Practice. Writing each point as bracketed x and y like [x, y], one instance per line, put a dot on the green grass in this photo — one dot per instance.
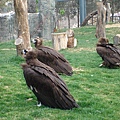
[96, 90]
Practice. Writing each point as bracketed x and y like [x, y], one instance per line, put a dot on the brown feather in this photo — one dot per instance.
[109, 53]
[52, 58]
[46, 84]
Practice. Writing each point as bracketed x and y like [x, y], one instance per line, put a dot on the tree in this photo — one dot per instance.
[115, 7]
[68, 9]
[101, 18]
[2, 2]
[21, 13]
[4, 5]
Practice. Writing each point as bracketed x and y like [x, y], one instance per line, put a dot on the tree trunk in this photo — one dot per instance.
[108, 12]
[70, 35]
[21, 13]
[68, 21]
[112, 10]
[101, 18]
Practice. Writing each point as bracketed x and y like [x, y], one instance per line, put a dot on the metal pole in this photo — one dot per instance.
[82, 5]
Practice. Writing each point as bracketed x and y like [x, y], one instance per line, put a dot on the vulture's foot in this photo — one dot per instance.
[100, 65]
[39, 104]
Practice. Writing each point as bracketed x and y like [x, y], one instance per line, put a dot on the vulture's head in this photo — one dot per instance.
[29, 54]
[37, 41]
[103, 40]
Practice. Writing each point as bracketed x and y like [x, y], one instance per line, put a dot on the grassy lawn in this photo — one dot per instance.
[96, 90]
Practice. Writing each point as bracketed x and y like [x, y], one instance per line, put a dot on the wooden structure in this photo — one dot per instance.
[64, 40]
[89, 17]
[19, 45]
[116, 40]
[70, 43]
[101, 20]
[59, 40]
[70, 35]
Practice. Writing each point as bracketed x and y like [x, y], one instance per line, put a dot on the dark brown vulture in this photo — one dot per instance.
[45, 83]
[109, 53]
[52, 58]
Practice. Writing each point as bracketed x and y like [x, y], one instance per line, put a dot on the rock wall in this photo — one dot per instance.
[41, 23]
[47, 17]
[7, 26]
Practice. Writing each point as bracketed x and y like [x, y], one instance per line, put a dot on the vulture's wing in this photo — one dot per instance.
[109, 54]
[55, 60]
[49, 89]
[53, 53]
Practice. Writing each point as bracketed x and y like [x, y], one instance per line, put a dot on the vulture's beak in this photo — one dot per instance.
[33, 41]
[24, 51]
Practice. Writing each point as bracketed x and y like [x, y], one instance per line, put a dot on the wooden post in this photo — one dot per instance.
[70, 35]
[116, 40]
[101, 18]
[59, 40]
[19, 45]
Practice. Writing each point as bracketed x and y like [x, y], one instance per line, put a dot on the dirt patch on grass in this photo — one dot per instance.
[77, 69]
[112, 25]
[7, 49]
[83, 49]
[1, 76]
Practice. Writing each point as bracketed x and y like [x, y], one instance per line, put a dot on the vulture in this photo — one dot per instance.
[109, 53]
[49, 89]
[52, 58]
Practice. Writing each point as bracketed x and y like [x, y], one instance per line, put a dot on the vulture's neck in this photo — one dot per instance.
[33, 62]
[40, 46]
